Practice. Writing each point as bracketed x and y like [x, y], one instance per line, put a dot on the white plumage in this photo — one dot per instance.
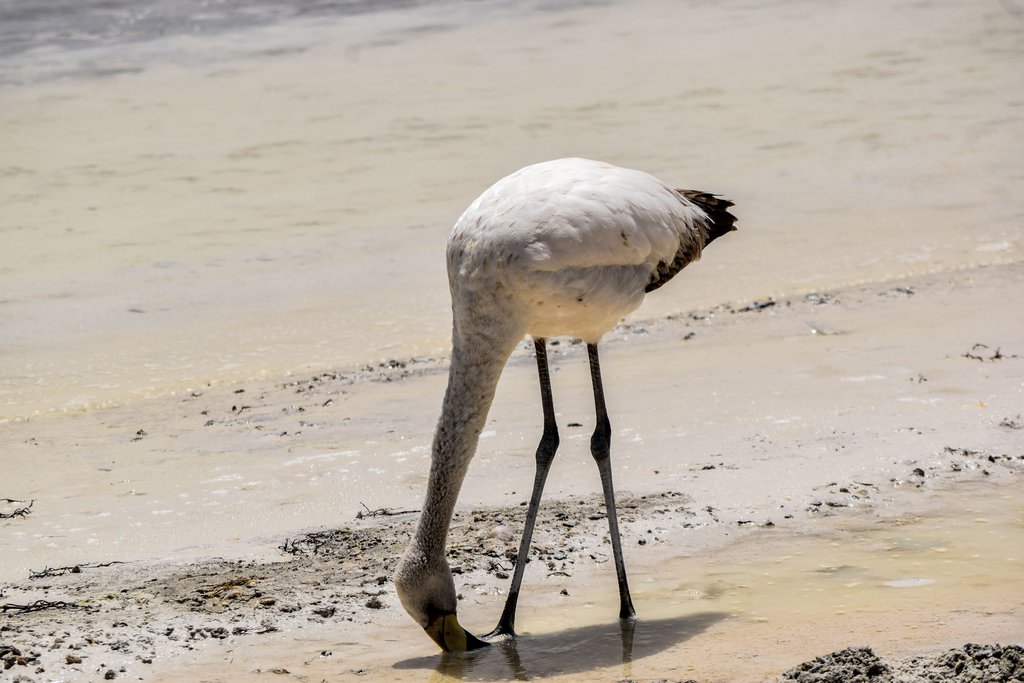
[568, 246]
[561, 248]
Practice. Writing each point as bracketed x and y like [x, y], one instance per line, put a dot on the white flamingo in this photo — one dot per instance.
[561, 248]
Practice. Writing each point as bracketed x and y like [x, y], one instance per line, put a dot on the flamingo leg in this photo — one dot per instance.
[545, 455]
[600, 448]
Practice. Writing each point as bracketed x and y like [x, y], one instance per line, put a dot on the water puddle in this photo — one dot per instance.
[904, 585]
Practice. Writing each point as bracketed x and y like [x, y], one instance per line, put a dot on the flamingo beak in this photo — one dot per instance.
[446, 631]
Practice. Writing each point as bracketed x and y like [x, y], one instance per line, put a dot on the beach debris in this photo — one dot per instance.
[1012, 423]
[12, 656]
[977, 351]
[24, 511]
[204, 632]
[757, 305]
[821, 298]
[997, 355]
[962, 452]
[50, 572]
[381, 512]
[38, 606]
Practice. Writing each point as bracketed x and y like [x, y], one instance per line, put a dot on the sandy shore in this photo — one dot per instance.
[854, 482]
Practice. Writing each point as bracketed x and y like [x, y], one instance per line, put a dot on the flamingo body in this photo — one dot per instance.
[561, 248]
[568, 247]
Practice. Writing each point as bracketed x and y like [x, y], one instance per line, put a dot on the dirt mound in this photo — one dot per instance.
[852, 665]
[972, 663]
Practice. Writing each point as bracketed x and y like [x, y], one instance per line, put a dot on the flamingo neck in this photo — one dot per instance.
[472, 379]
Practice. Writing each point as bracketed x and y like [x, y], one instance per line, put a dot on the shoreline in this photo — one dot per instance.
[402, 367]
[318, 430]
[320, 608]
[869, 420]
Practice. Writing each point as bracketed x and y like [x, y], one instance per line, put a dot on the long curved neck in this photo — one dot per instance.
[476, 366]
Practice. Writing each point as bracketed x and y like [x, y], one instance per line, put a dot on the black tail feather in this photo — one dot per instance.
[717, 209]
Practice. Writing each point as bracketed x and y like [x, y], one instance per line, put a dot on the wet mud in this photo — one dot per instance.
[972, 663]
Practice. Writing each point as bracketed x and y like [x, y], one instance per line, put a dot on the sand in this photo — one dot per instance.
[776, 506]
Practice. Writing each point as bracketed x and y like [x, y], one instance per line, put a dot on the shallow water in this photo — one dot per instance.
[263, 201]
[905, 585]
[776, 602]
[60, 24]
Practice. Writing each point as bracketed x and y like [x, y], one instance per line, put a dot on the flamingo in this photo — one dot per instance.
[559, 248]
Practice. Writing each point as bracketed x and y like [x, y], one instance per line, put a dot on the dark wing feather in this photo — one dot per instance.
[719, 221]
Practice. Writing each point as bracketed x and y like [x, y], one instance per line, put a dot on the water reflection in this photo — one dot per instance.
[569, 651]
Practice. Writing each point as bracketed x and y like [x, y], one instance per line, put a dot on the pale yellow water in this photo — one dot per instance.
[904, 585]
[277, 200]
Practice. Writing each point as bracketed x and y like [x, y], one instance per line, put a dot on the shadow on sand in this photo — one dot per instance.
[565, 652]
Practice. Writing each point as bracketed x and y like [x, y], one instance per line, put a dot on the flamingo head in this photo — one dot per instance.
[427, 592]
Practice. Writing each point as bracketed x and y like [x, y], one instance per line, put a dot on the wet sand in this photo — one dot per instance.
[856, 482]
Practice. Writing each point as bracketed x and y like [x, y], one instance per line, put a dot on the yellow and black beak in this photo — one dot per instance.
[446, 631]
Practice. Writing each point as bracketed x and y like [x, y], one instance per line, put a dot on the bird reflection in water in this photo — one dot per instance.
[571, 651]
